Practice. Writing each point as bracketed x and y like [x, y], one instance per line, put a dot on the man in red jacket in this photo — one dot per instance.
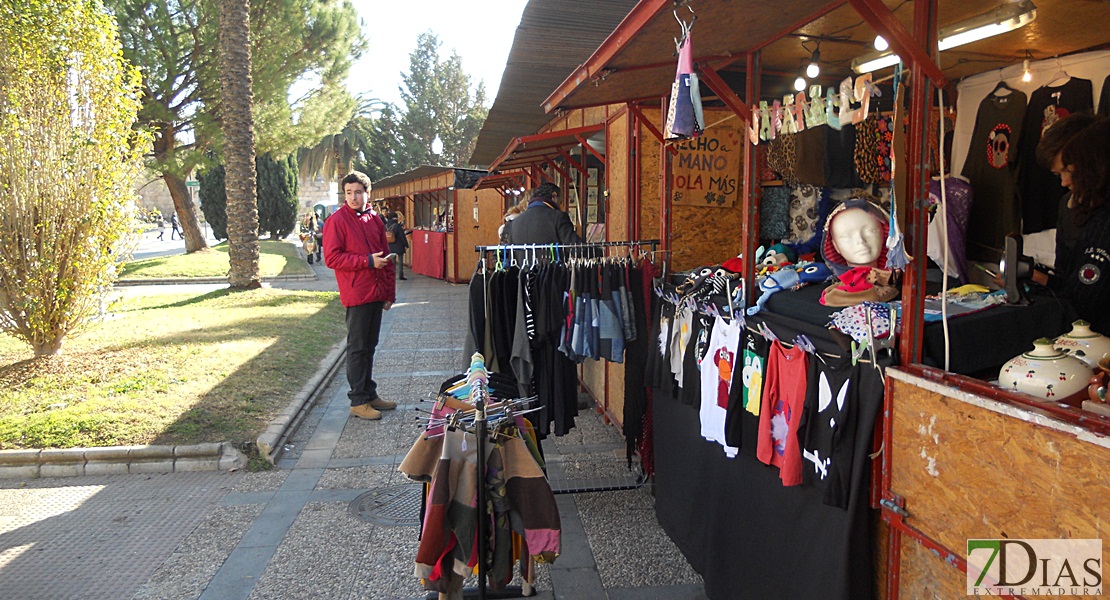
[355, 248]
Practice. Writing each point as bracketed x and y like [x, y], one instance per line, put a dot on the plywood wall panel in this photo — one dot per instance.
[470, 233]
[650, 178]
[616, 393]
[924, 576]
[592, 373]
[617, 165]
[970, 467]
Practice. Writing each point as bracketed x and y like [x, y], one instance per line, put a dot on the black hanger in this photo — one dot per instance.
[1002, 85]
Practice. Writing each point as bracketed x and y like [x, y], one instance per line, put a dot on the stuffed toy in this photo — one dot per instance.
[777, 281]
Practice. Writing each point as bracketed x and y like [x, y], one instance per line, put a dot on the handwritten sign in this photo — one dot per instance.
[706, 170]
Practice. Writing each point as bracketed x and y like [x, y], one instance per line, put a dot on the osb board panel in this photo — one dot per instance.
[469, 232]
[616, 155]
[595, 115]
[616, 392]
[592, 373]
[970, 472]
[650, 178]
[879, 531]
[449, 273]
[924, 576]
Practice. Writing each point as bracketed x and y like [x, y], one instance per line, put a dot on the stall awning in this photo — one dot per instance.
[637, 61]
[534, 150]
[512, 179]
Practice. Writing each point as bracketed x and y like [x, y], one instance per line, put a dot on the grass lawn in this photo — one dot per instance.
[276, 257]
[169, 369]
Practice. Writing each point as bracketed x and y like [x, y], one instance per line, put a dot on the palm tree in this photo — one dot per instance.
[238, 129]
[334, 155]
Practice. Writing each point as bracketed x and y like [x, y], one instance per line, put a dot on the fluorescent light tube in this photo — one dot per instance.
[1005, 18]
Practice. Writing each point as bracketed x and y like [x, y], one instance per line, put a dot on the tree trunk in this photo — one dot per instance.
[238, 128]
[49, 347]
[182, 199]
[186, 213]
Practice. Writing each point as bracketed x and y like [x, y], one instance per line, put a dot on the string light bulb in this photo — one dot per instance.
[880, 43]
[1026, 76]
[813, 69]
[800, 84]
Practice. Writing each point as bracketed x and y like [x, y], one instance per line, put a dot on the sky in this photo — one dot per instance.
[481, 32]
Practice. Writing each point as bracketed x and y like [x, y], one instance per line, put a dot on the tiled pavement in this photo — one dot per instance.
[289, 533]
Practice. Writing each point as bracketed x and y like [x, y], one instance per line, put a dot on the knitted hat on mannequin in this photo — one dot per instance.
[832, 256]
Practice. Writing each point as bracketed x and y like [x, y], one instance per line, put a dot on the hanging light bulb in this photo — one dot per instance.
[880, 43]
[800, 84]
[1026, 76]
[814, 67]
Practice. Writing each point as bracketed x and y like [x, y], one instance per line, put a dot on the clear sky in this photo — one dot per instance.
[481, 32]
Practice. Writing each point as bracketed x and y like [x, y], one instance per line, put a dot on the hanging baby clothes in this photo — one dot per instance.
[783, 398]
[827, 431]
[1040, 189]
[803, 214]
[990, 164]
[874, 137]
[717, 371]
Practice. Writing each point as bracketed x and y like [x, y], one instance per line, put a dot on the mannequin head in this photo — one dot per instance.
[855, 236]
[858, 236]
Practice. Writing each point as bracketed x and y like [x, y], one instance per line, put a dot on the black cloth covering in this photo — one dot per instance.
[746, 534]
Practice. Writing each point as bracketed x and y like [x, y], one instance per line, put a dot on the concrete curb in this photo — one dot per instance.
[271, 442]
[216, 456]
[208, 280]
[119, 460]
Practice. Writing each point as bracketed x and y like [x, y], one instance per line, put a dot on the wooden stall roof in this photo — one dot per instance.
[502, 180]
[637, 61]
[527, 150]
[554, 37]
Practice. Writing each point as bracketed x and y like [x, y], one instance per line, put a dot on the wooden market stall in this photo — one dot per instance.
[447, 214]
[960, 458]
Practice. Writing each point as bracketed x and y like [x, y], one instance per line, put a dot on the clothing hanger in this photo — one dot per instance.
[1001, 86]
[1060, 76]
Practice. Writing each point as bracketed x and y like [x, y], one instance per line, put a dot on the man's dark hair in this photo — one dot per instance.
[545, 191]
[391, 215]
[357, 177]
[1058, 136]
[1088, 153]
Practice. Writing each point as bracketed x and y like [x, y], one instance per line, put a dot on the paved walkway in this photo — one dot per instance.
[293, 533]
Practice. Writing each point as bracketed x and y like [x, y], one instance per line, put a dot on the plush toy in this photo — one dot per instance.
[776, 255]
[814, 273]
[777, 281]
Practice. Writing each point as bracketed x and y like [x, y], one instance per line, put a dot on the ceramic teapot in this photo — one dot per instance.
[1045, 372]
[1084, 344]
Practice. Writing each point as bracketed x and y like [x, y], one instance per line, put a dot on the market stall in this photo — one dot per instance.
[716, 506]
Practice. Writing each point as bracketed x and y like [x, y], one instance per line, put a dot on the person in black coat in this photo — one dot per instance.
[400, 241]
[545, 221]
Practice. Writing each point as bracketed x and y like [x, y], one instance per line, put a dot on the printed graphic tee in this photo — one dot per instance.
[783, 399]
[717, 374]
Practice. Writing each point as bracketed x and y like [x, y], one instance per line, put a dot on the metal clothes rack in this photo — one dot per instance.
[629, 243]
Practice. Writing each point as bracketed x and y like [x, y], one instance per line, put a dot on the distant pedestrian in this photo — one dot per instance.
[397, 238]
[355, 248]
[175, 227]
[161, 228]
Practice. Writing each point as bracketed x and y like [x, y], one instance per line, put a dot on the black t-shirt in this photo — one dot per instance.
[827, 433]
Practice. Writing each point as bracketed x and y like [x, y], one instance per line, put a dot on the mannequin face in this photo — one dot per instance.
[857, 236]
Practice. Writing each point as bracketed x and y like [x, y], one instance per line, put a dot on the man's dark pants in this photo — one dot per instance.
[364, 323]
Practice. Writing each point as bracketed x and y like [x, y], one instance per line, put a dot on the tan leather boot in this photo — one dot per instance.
[383, 404]
[365, 411]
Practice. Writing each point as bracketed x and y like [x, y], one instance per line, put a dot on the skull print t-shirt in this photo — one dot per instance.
[991, 167]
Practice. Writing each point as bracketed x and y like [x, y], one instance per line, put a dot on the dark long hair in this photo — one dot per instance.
[1088, 153]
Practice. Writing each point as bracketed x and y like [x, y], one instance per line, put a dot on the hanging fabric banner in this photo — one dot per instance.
[684, 116]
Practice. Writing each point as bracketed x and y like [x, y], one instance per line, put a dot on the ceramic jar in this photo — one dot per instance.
[1084, 344]
[1045, 372]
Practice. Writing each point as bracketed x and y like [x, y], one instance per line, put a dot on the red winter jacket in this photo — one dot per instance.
[349, 240]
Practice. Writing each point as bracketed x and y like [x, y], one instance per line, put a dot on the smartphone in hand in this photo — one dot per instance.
[391, 256]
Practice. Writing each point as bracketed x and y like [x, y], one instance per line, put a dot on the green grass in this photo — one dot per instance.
[276, 257]
[169, 369]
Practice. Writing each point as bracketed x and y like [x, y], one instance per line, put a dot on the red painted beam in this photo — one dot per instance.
[643, 13]
[572, 162]
[901, 41]
[725, 93]
[590, 149]
[749, 211]
[651, 127]
[798, 25]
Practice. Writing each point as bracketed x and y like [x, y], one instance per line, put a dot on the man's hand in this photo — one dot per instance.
[379, 260]
[388, 305]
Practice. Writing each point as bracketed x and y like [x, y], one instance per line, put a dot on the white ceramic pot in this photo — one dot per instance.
[1084, 344]
[1045, 372]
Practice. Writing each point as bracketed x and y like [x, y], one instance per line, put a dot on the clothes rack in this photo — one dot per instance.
[617, 244]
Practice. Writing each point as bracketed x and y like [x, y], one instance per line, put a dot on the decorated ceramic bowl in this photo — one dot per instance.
[1045, 372]
[1084, 344]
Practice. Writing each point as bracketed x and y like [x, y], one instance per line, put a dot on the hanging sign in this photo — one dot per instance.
[706, 170]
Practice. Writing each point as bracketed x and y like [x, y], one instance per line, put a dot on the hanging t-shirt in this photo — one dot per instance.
[681, 328]
[744, 396]
[717, 369]
[701, 327]
[827, 431]
[784, 396]
[1040, 189]
[990, 165]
